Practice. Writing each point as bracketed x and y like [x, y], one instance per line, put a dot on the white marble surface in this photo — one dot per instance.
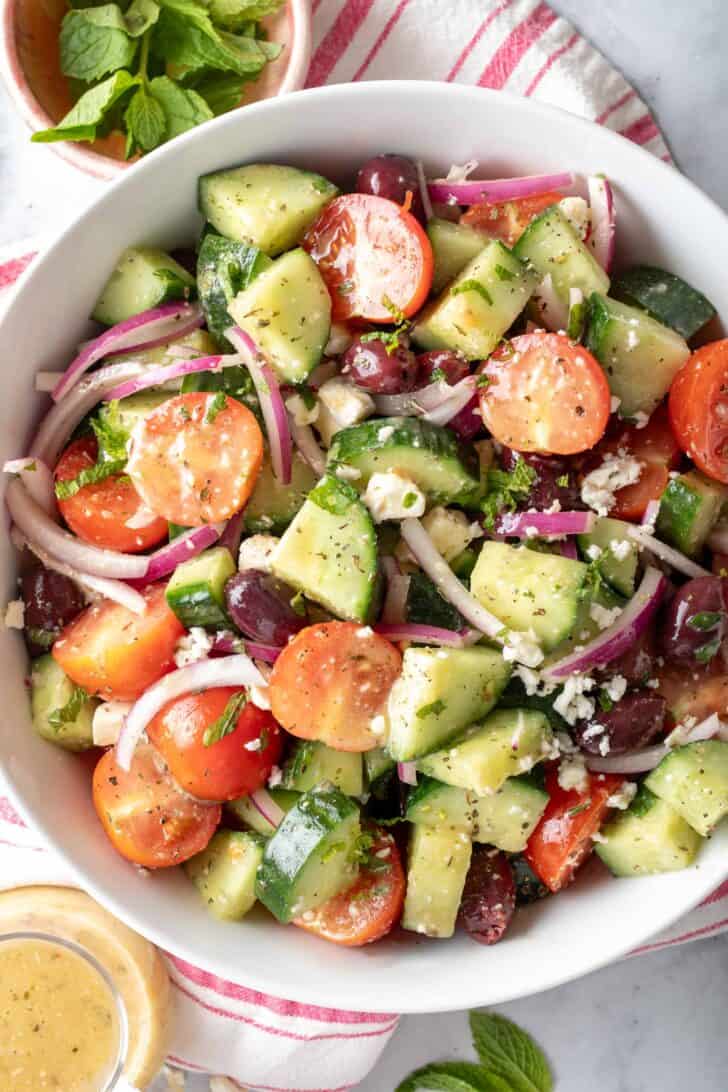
[656, 1023]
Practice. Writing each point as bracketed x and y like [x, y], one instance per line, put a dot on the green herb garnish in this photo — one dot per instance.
[432, 710]
[506, 489]
[215, 406]
[605, 702]
[503, 274]
[472, 285]
[705, 620]
[563, 481]
[409, 499]
[68, 712]
[227, 721]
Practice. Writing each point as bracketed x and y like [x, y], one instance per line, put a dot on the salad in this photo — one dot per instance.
[378, 544]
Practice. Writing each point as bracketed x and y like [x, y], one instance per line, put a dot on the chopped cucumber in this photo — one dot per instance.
[619, 553]
[244, 810]
[640, 357]
[474, 312]
[440, 692]
[689, 508]
[444, 469]
[62, 712]
[329, 552]
[508, 817]
[453, 246]
[649, 837]
[264, 204]
[666, 297]
[377, 763]
[196, 591]
[142, 279]
[224, 873]
[552, 246]
[312, 855]
[425, 605]
[585, 627]
[311, 763]
[508, 742]
[694, 780]
[438, 863]
[273, 505]
[225, 268]
[529, 590]
[286, 310]
[433, 804]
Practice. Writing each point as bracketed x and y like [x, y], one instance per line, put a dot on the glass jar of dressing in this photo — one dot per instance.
[84, 1001]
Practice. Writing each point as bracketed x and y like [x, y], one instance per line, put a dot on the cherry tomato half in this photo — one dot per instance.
[367, 910]
[375, 258]
[116, 654]
[546, 394]
[224, 768]
[100, 513]
[656, 448]
[508, 220]
[699, 408]
[331, 682]
[195, 458]
[147, 817]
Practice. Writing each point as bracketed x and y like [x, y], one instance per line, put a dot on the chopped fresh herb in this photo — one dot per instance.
[397, 314]
[298, 604]
[216, 405]
[90, 475]
[482, 382]
[579, 808]
[227, 721]
[706, 652]
[472, 285]
[593, 580]
[563, 481]
[706, 620]
[68, 712]
[432, 710]
[409, 499]
[390, 339]
[438, 376]
[605, 702]
[184, 413]
[503, 274]
[577, 320]
[506, 489]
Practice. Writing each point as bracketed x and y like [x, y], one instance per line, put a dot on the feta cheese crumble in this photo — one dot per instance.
[340, 406]
[192, 646]
[620, 548]
[573, 774]
[390, 495]
[623, 797]
[599, 487]
[107, 722]
[615, 687]
[14, 617]
[300, 412]
[573, 702]
[604, 616]
[522, 648]
[577, 212]
[256, 552]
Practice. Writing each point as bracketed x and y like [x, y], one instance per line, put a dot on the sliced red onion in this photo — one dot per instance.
[472, 191]
[271, 403]
[45, 382]
[416, 402]
[666, 553]
[426, 635]
[225, 642]
[232, 533]
[236, 670]
[38, 527]
[551, 308]
[157, 377]
[394, 610]
[407, 773]
[603, 225]
[190, 543]
[424, 195]
[115, 590]
[568, 549]
[532, 524]
[461, 394]
[38, 480]
[649, 516]
[150, 328]
[649, 757]
[62, 418]
[431, 561]
[262, 800]
[304, 439]
[621, 635]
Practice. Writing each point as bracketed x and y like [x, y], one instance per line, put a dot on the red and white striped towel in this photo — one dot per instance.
[269, 1044]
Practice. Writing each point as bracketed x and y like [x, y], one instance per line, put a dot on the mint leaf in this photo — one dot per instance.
[94, 42]
[195, 44]
[510, 1053]
[111, 436]
[80, 123]
[227, 721]
[215, 405]
[453, 1077]
[505, 489]
[182, 107]
[140, 16]
[432, 710]
[91, 475]
[471, 285]
[145, 123]
[222, 91]
[68, 712]
[234, 14]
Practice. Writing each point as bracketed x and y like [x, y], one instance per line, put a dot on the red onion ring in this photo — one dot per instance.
[262, 800]
[473, 191]
[407, 773]
[603, 223]
[271, 403]
[158, 376]
[427, 635]
[519, 524]
[38, 480]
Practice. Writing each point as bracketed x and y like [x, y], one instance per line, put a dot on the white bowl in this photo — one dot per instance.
[662, 218]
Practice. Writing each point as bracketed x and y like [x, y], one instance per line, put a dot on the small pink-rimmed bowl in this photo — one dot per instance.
[30, 67]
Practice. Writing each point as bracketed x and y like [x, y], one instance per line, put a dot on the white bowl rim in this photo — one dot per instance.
[608, 949]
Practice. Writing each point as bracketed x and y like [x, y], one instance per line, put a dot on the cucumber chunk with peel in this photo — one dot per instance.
[694, 780]
[453, 246]
[689, 509]
[312, 763]
[552, 247]
[224, 873]
[649, 837]
[62, 713]
[143, 278]
[438, 863]
[243, 810]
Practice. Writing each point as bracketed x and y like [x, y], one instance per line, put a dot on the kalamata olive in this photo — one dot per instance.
[529, 888]
[638, 663]
[555, 480]
[489, 896]
[368, 364]
[51, 602]
[391, 176]
[260, 606]
[442, 364]
[631, 723]
[694, 621]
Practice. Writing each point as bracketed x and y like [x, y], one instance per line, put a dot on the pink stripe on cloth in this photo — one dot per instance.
[642, 130]
[476, 38]
[386, 31]
[548, 64]
[7, 811]
[10, 271]
[506, 57]
[719, 894]
[284, 1008]
[694, 934]
[621, 101]
[337, 40]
